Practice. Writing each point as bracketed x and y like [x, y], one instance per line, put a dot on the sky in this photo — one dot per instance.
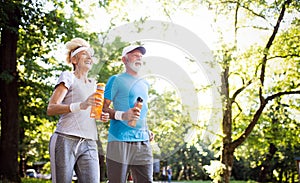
[196, 19]
[199, 22]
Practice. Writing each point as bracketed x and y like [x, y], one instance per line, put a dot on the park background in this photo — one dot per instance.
[255, 46]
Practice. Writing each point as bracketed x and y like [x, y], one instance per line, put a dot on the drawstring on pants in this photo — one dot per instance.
[78, 144]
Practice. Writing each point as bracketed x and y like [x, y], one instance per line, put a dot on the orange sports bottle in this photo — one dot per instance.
[96, 110]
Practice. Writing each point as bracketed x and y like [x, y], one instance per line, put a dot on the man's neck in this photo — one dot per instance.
[132, 73]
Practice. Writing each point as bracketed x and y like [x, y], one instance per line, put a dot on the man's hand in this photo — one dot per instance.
[132, 114]
[151, 136]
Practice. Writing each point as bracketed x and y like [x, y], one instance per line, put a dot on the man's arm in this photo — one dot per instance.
[131, 114]
[107, 109]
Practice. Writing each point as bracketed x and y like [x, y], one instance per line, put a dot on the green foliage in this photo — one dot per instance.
[109, 56]
[168, 121]
[215, 170]
[193, 157]
[279, 128]
[278, 125]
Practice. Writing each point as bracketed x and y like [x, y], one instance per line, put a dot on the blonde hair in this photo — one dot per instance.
[73, 45]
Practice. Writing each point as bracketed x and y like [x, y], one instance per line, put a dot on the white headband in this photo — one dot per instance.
[78, 50]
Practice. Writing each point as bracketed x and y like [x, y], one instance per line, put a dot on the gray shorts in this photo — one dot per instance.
[134, 156]
[69, 154]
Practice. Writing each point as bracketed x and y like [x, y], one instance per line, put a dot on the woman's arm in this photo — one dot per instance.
[55, 106]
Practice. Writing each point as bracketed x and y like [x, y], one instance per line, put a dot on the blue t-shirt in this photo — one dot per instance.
[123, 90]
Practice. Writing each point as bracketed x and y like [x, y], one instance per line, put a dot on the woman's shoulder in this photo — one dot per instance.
[67, 78]
[67, 74]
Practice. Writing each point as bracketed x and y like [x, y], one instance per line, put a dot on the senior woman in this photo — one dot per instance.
[73, 144]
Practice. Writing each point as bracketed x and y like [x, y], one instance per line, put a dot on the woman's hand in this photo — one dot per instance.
[91, 100]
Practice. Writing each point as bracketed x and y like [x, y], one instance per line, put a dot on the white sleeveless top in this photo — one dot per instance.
[77, 124]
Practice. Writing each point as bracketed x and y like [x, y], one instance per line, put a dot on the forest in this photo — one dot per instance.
[224, 75]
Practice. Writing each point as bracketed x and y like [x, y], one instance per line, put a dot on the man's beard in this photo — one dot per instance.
[135, 67]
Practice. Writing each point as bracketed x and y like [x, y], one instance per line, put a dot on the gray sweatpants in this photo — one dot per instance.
[124, 156]
[70, 153]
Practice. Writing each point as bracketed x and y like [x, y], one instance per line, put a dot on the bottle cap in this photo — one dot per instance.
[139, 99]
[100, 86]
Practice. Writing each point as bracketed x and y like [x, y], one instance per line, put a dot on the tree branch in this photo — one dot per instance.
[268, 46]
[270, 42]
[240, 111]
[271, 97]
[264, 101]
[258, 113]
[284, 56]
[237, 92]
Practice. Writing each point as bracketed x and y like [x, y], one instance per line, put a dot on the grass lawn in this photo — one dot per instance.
[29, 180]
[32, 180]
[199, 181]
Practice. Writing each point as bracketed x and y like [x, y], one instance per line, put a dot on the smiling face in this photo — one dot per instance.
[83, 60]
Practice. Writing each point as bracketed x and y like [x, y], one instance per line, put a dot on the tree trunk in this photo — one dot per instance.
[9, 97]
[101, 161]
[227, 150]
[266, 169]
[22, 156]
[102, 168]
[227, 160]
